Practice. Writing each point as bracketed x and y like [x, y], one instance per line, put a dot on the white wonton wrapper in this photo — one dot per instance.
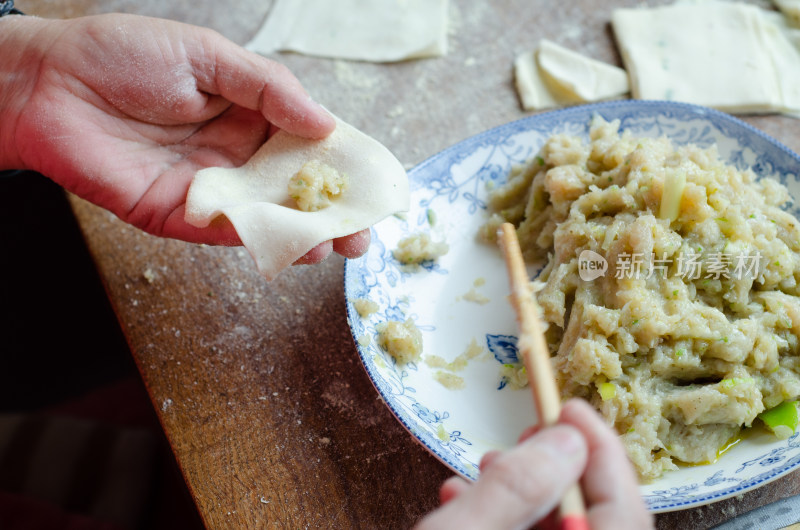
[531, 87]
[725, 55]
[553, 76]
[255, 196]
[365, 30]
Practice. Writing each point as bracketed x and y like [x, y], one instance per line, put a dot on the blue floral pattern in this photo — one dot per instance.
[454, 183]
[503, 347]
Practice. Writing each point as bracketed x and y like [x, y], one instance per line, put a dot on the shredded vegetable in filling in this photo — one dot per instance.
[691, 331]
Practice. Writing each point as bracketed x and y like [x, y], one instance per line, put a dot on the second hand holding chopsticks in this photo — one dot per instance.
[536, 356]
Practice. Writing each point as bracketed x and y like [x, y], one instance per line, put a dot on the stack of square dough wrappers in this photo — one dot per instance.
[727, 55]
[731, 56]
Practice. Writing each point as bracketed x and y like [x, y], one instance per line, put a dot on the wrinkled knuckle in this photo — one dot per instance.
[146, 219]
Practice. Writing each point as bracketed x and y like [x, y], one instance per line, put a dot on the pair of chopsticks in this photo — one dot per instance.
[536, 355]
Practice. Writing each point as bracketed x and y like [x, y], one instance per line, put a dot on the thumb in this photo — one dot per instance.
[519, 487]
[254, 82]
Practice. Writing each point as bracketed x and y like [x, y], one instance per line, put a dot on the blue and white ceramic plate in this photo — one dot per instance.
[450, 189]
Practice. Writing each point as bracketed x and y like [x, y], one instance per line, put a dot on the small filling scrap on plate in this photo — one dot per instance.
[670, 290]
[419, 247]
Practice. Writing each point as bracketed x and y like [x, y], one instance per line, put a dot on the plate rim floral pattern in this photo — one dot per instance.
[375, 274]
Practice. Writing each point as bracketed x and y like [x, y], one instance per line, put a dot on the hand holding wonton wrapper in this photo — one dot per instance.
[256, 197]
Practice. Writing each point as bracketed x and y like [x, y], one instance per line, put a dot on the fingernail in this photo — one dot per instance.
[563, 441]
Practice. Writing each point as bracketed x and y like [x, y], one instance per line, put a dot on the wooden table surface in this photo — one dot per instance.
[258, 385]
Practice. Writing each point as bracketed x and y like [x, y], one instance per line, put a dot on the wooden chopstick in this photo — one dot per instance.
[536, 356]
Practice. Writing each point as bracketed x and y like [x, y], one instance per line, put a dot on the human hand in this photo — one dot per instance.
[122, 110]
[521, 486]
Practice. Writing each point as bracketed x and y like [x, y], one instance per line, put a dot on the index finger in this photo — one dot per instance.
[610, 484]
[518, 487]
